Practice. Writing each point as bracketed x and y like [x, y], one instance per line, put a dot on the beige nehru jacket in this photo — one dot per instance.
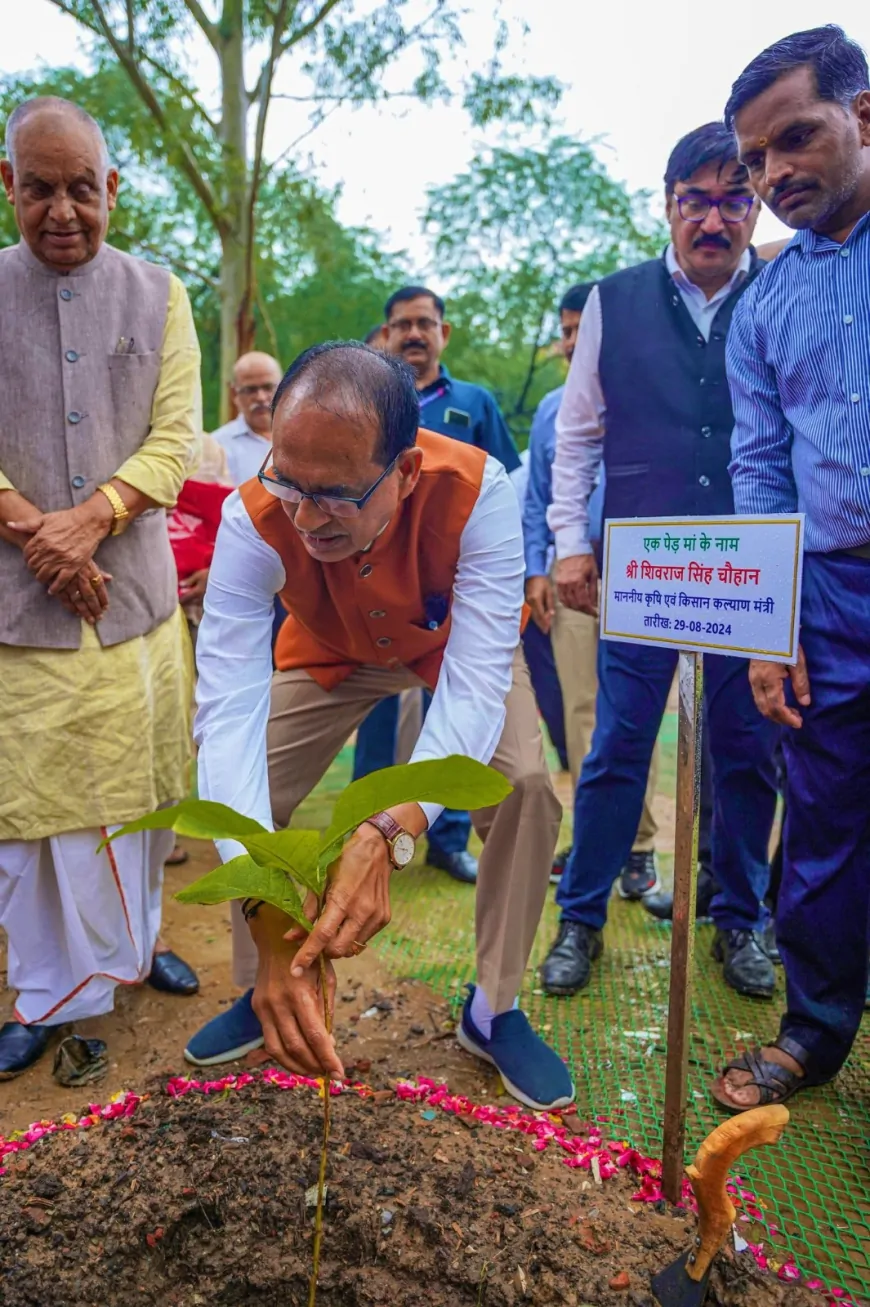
[81, 358]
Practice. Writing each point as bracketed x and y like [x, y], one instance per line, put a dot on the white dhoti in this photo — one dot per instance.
[79, 922]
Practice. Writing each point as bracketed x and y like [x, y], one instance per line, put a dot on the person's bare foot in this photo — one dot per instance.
[739, 1087]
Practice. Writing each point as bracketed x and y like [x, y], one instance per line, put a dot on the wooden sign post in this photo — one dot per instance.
[690, 673]
[725, 585]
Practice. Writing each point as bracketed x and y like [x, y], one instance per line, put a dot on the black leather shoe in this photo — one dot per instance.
[661, 904]
[461, 866]
[21, 1046]
[748, 969]
[171, 975]
[568, 965]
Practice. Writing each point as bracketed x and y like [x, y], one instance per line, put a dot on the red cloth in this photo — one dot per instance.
[193, 525]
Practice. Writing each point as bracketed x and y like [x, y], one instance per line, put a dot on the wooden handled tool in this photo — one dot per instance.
[684, 1282]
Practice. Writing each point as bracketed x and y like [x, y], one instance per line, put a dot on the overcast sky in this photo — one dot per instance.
[637, 75]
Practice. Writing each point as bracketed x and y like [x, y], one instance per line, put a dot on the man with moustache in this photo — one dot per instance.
[572, 636]
[647, 392]
[246, 438]
[799, 373]
[361, 523]
[415, 330]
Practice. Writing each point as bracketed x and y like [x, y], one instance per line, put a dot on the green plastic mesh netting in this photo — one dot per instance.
[814, 1187]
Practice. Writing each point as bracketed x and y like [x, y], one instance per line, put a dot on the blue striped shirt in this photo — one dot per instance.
[799, 372]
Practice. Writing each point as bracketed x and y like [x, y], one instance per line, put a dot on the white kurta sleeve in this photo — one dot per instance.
[468, 708]
[234, 662]
[579, 438]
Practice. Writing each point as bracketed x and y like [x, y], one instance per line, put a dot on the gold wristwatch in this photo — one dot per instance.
[122, 516]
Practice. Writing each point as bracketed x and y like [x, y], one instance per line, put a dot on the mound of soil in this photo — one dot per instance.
[208, 1201]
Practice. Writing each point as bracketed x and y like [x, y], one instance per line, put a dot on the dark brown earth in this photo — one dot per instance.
[203, 1200]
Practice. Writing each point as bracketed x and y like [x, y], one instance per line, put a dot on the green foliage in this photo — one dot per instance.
[277, 864]
[517, 228]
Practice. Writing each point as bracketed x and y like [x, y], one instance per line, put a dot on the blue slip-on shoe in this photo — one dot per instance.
[530, 1070]
[21, 1046]
[227, 1037]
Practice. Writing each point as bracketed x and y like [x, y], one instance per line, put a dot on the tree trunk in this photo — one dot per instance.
[237, 326]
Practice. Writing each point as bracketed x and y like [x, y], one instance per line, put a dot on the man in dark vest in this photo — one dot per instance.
[647, 392]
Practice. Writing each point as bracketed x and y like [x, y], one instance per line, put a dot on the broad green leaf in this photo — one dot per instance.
[202, 819]
[243, 878]
[199, 819]
[294, 851]
[457, 782]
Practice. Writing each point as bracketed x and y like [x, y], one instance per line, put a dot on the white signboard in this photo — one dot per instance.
[721, 584]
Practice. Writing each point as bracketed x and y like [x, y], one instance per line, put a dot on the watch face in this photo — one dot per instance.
[403, 849]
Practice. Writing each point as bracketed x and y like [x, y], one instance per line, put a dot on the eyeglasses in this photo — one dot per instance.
[406, 325]
[264, 388]
[334, 505]
[732, 208]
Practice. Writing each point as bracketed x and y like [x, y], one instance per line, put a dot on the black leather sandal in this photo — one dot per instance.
[775, 1083]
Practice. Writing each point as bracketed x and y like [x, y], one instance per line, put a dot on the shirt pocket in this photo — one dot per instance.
[133, 380]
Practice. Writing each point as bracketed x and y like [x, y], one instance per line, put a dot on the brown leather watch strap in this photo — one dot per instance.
[388, 827]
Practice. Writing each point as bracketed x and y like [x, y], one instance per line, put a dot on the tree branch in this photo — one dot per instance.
[265, 80]
[163, 257]
[174, 81]
[188, 162]
[131, 28]
[300, 33]
[196, 10]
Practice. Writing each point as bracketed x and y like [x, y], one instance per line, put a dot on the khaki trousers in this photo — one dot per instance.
[575, 647]
[307, 728]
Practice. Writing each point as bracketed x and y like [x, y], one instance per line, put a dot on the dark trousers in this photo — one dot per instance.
[376, 748]
[545, 683]
[633, 686]
[823, 915]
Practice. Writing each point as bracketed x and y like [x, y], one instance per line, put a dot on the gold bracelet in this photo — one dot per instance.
[121, 513]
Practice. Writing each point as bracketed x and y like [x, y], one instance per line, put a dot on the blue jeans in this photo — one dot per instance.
[633, 686]
[376, 748]
[545, 683]
[823, 912]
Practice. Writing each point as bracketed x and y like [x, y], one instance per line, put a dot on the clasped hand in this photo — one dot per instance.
[62, 544]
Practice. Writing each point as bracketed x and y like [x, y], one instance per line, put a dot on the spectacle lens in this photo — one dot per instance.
[733, 208]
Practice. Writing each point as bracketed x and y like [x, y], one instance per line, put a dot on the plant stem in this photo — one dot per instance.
[321, 1178]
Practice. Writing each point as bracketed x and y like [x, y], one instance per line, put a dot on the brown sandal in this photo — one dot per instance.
[775, 1083]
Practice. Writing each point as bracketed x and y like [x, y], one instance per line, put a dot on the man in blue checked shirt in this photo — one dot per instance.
[799, 371]
[415, 329]
[570, 638]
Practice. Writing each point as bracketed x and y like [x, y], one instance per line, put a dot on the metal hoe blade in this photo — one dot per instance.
[673, 1287]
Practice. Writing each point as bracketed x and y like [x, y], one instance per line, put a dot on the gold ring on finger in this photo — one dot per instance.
[358, 948]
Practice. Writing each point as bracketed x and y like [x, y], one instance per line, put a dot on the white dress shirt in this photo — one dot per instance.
[581, 422]
[245, 450]
[234, 651]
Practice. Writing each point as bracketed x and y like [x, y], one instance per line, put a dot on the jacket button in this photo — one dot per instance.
[703, 481]
[71, 356]
[706, 432]
[385, 641]
[378, 612]
[77, 482]
[703, 381]
[366, 570]
[74, 416]
[66, 294]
